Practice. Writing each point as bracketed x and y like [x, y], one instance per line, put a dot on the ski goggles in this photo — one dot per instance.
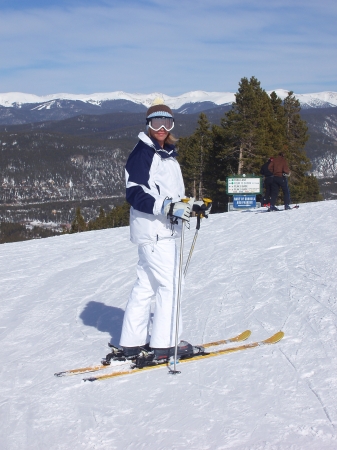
[156, 123]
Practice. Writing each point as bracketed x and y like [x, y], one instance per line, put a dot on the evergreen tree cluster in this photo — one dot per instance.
[117, 217]
[257, 127]
[15, 232]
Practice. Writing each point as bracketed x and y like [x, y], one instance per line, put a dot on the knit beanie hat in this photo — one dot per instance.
[158, 109]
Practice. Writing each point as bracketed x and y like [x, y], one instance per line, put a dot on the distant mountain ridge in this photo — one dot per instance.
[18, 99]
[18, 108]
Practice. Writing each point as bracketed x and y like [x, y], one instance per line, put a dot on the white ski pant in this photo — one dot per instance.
[158, 274]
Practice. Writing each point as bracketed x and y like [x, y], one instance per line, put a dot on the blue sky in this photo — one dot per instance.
[176, 46]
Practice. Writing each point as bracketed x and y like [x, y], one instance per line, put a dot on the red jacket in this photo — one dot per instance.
[279, 166]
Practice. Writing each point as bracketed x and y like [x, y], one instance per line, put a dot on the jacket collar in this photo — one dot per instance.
[166, 152]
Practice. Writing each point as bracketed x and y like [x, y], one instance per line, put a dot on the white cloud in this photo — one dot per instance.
[168, 46]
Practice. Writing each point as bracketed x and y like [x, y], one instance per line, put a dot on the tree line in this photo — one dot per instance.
[257, 127]
[15, 232]
[117, 217]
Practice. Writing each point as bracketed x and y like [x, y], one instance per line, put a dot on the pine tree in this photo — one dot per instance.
[119, 216]
[219, 165]
[99, 222]
[248, 131]
[303, 186]
[279, 138]
[193, 157]
[78, 225]
[101, 219]
[245, 139]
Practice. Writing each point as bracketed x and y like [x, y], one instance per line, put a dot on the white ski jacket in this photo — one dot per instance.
[152, 174]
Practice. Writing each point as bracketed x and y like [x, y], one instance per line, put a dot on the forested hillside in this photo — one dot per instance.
[42, 166]
[48, 169]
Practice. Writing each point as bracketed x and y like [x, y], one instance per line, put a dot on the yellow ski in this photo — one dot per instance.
[241, 337]
[271, 340]
[66, 373]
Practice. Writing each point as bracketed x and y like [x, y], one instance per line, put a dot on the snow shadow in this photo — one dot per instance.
[105, 318]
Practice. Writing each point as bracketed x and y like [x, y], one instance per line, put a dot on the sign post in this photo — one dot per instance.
[244, 201]
[243, 189]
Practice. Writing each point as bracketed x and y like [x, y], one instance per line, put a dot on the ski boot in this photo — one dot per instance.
[123, 353]
[162, 355]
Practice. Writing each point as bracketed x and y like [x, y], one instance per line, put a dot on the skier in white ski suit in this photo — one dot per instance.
[154, 188]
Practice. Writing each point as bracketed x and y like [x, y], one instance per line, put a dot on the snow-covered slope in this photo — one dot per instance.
[62, 300]
[18, 99]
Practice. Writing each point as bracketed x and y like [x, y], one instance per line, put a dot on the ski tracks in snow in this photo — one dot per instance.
[63, 299]
[278, 277]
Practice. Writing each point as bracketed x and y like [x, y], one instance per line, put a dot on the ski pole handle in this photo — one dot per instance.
[208, 204]
[207, 201]
[200, 215]
[199, 207]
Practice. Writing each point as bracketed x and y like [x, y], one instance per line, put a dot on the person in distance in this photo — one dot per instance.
[280, 170]
[268, 181]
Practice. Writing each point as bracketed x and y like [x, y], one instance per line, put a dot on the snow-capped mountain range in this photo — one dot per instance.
[18, 99]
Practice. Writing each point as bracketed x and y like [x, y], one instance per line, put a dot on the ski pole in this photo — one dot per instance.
[181, 257]
[193, 244]
[175, 371]
[207, 202]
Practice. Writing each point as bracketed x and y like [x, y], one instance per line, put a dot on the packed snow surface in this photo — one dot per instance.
[63, 299]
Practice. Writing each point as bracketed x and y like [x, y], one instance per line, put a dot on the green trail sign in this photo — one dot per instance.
[244, 184]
